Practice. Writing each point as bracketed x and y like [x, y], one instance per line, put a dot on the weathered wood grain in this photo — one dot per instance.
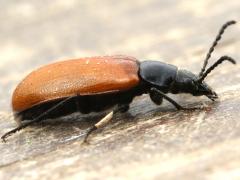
[149, 142]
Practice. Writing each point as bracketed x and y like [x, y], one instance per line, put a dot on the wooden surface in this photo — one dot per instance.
[149, 142]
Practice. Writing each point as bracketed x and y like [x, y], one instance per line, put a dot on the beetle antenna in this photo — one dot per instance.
[215, 42]
[219, 61]
[37, 119]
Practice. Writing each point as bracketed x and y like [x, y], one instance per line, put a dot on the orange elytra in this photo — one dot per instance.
[86, 76]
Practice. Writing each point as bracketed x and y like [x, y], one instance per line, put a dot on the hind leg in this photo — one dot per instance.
[37, 119]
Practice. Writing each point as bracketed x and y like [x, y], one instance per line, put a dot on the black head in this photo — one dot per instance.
[188, 82]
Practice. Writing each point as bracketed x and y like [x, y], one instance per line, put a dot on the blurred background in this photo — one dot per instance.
[179, 32]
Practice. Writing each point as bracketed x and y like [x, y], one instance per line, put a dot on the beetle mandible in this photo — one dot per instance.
[109, 82]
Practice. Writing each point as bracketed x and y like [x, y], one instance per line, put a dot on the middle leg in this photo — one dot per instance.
[102, 122]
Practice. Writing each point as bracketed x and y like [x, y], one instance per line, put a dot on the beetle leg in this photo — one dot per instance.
[155, 97]
[155, 91]
[37, 119]
[178, 106]
[99, 124]
[105, 120]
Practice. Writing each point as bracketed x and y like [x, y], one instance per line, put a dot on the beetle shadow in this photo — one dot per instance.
[149, 110]
[82, 120]
[75, 125]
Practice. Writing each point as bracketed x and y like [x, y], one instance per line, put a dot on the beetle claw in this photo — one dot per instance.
[213, 97]
[3, 139]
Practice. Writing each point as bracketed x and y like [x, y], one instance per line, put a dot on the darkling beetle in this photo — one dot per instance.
[121, 78]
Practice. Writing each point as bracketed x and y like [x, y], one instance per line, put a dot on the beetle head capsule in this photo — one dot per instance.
[187, 82]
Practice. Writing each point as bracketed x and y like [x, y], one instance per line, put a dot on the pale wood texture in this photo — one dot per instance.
[149, 142]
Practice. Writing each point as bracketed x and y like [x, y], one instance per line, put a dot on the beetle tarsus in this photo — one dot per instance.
[92, 129]
[120, 108]
[3, 139]
[98, 125]
[9, 133]
[37, 119]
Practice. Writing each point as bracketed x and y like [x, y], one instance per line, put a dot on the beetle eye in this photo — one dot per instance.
[195, 85]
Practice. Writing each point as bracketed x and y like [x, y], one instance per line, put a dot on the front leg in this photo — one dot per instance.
[160, 95]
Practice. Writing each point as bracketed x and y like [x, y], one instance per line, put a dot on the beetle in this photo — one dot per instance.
[100, 83]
